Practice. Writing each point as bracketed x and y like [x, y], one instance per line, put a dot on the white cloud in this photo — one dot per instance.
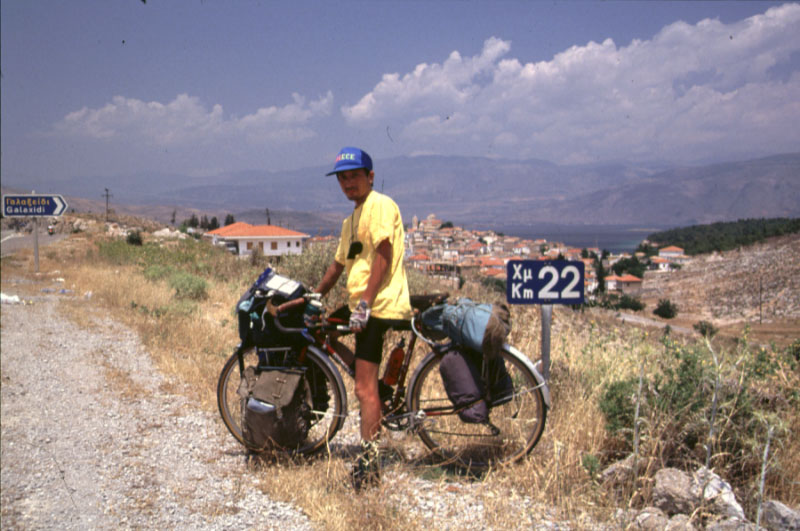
[186, 121]
[691, 92]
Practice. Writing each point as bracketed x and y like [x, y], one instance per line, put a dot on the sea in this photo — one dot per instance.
[613, 238]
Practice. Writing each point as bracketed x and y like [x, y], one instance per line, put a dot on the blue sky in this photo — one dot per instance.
[118, 87]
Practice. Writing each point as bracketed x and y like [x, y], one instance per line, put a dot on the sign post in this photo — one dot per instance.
[36, 206]
[545, 282]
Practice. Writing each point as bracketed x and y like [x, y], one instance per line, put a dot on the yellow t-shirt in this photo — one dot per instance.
[377, 219]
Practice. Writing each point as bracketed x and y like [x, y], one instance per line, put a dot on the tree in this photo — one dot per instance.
[647, 249]
[666, 309]
[193, 221]
[601, 275]
[229, 220]
[629, 265]
[172, 219]
[204, 222]
[213, 224]
[446, 225]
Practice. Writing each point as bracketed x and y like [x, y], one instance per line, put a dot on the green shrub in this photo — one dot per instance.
[706, 329]
[666, 309]
[793, 350]
[591, 464]
[627, 302]
[188, 286]
[618, 404]
[134, 238]
[157, 272]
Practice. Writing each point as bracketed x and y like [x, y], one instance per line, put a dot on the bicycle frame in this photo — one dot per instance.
[321, 338]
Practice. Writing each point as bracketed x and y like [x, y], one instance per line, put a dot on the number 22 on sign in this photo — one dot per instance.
[545, 282]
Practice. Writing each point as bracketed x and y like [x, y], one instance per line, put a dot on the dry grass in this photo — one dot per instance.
[189, 341]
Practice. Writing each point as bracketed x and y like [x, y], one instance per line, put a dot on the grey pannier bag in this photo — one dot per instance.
[275, 408]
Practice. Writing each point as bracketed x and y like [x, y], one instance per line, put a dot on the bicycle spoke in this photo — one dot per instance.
[516, 418]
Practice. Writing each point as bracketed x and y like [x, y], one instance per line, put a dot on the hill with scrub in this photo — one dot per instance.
[724, 236]
[618, 390]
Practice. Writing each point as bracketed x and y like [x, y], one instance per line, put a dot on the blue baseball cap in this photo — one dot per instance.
[351, 158]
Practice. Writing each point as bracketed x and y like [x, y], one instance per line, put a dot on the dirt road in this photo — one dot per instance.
[90, 439]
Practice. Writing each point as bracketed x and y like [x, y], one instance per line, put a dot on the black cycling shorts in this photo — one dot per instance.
[369, 342]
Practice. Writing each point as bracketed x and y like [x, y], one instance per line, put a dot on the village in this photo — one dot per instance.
[438, 248]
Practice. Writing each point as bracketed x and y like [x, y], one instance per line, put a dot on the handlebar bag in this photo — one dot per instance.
[256, 325]
[276, 412]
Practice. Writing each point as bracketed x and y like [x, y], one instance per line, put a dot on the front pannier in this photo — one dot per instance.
[276, 412]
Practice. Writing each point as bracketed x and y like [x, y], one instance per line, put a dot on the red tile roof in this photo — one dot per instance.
[626, 278]
[241, 229]
[495, 272]
[489, 261]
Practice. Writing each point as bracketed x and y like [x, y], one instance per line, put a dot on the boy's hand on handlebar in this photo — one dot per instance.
[359, 317]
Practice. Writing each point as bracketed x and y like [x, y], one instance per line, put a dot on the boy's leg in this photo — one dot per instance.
[368, 398]
[366, 469]
[369, 347]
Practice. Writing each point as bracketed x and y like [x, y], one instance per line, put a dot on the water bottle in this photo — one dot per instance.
[395, 363]
[312, 312]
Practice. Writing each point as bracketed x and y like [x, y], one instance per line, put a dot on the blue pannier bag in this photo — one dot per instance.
[480, 327]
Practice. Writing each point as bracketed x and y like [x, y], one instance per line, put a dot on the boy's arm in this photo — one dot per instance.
[380, 268]
[329, 278]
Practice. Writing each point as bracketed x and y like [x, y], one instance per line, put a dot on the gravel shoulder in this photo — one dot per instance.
[90, 439]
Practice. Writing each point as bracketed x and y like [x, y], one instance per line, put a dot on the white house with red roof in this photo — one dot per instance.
[626, 283]
[269, 239]
[671, 251]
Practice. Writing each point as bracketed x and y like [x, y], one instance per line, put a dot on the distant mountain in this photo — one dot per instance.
[478, 191]
[767, 187]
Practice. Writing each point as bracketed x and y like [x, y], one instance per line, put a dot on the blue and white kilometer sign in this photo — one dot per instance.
[544, 282]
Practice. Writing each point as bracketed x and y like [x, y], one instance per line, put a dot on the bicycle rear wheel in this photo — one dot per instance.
[519, 417]
[328, 404]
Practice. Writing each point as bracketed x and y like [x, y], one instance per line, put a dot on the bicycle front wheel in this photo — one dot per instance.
[327, 404]
[518, 416]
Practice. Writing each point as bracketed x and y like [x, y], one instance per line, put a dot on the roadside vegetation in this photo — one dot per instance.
[616, 390]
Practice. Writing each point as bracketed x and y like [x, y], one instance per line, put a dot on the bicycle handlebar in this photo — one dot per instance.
[324, 325]
[275, 311]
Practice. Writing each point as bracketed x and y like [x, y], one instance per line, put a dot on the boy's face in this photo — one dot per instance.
[356, 184]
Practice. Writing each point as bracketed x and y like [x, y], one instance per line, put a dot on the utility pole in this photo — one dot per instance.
[107, 194]
[269, 222]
